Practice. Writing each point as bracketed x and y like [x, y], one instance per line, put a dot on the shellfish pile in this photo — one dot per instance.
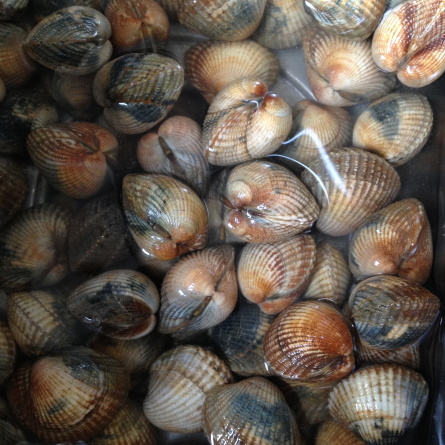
[196, 244]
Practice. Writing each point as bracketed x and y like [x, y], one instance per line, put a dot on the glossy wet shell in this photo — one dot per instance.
[331, 432]
[182, 377]
[394, 397]
[7, 352]
[396, 127]
[249, 412]
[396, 240]
[356, 184]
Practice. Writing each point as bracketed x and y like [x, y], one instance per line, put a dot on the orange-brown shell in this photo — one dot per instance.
[331, 432]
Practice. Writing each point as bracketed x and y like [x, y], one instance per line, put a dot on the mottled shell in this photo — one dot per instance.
[331, 432]
[245, 122]
[342, 72]
[7, 353]
[68, 397]
[211, 65]
[182, 377]
[396, 126]
[275, 275]
[409, 41]
[310, 341]
[379, 403]
[12, 434]
[222, 20]
[267, 203]
[250, 412]
[396, 240]
[354, 185]
[165, 216]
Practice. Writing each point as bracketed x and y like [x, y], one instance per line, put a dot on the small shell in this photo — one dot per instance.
[275, 275]
[211, 65]
[245, 122]
[342, 72]
[356, 184]
[396, 127]
[310, 341]
[396, 240]
[7, 353]
[182, 377]
[331, 432]
[379, 403]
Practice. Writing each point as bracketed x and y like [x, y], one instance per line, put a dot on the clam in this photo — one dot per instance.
[182, 377]
[7, 352]
[12, 434]
[165, 216]
[171, 8]
[43, 8]
[310, 341]
[396, 126]
[342, 72]
[11, 8]
[396, 240]
[331, 432]
[275, 275]
[350, 185]
[379, 403]
[211, 65]
[245, 122]
[409, 41]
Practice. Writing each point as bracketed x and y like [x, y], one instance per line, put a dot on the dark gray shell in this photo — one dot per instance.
[8, 352]
[12, 434]
[9, 8]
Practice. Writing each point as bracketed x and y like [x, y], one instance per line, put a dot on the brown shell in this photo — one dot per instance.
[171, 8]
[2, 90]
[331, 432]
[7, 352]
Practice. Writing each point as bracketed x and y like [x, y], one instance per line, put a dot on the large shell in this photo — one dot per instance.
[250, 412]
[275, 275]
[310, 341]
[211, 65]
[342, 72]
[182, 377]
[409, 41]
[138, 90]
[379, 403]
[331, 432]
[396, 126]
[245, 122]
[354, 185]
[7, 352]
[396, 240]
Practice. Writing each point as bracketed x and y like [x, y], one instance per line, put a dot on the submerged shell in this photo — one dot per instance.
[331, 432]
[7, 353]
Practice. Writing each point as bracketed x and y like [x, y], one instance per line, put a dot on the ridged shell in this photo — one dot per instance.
[379, 403]
[331, 432]
[138, 90]
[12, 434]
[182, 377]
[409, 40]
[249, 412]
[267, 203]
[390, 312]
[7, 352]
[222, 20]
[310, 341]
[199, 291]
[118, 303]
[68, 397]
[396, 240]
[165, 216]
[342, 72]
[396, 126]
[245, 122]
[171, 8]
[356, 184]
[275, 275]
[211, 65]
[43, 8]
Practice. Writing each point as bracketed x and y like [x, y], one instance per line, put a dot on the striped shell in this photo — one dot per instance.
[331, 432]
[7, 353]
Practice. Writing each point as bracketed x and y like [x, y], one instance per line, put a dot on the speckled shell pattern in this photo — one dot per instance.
[396, 240]
[356, 184]
[409, 41]
[250, 412]
[8, 352]
[395, 398]
[267, 203]
[182, 377]
[331, 432]
[397, 126]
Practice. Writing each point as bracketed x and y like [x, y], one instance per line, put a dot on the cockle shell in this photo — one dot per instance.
[211, 65]
[310, 341]
[249, 412]
[409, 41]
[10, 8]
[12, 434]
[182, 377]
[331, 432]
[245, 122]
[342, 72]
[379, 403]
[274, 275]
[43, 8]
[396, 240]
[165, 216]
[355, 184]
[171, 8]
[7, 352]
[267, 203]
[396, 126]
